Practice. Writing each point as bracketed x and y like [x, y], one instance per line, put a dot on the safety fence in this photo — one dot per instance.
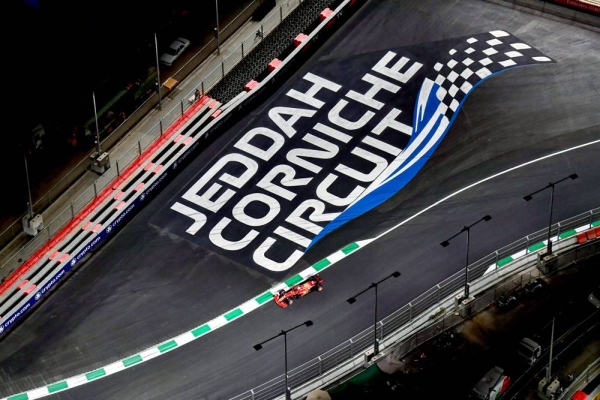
[582, 380]
[52, 202]
[428, 315]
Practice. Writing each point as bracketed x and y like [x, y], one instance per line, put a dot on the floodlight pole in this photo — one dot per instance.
[374, 285]
[217, 31]
[468, 230]
[97, 130]
[551, 186]
[549, 369]
[288, 395]
[30, 204]
[157, 71]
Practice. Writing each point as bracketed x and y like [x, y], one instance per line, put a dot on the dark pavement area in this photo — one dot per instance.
[149, 284]
[451, 364]
[58, 71]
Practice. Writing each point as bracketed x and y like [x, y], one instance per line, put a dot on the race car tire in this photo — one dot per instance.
[320, 288]
[290, 302]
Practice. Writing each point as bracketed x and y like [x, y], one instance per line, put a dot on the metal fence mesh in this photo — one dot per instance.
[276, 38]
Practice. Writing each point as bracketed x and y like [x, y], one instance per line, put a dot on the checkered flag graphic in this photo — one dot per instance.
[477, 58]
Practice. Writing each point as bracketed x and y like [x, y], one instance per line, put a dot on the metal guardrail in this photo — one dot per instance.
[417, 308]
[582, 379]
[270, 22]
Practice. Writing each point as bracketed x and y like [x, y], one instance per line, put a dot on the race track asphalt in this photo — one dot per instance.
[149, 284]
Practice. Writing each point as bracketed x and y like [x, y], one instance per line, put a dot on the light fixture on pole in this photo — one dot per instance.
[217, 28]
[96, 119]
[100, 160]
[30, 203]
[549, 368]
[467, 229]
[157, 72]
[374, 285]
[257, 347]
[32, 224]
[550, 186]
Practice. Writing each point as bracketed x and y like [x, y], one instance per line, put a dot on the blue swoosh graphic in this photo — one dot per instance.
[424, 116]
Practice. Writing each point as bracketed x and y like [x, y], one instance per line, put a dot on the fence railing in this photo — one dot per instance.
[582, 379]
[417, 308]
[270, 22]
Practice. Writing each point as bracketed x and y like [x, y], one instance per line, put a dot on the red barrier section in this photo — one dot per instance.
[591, 234]
[29, 289]
[324, 14]
[103, 195]
[250, 85]
[582, 5]
[582, 238]
[274, 64]
[217, 113]
[299, 39]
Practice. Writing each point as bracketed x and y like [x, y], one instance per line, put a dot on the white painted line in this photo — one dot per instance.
[114, 368]
[248, 306]
[307, 273]
[335, 257]
[437, 203]
[76, 381]
[150, 353]
[38, 393]
[184, 339]
[217, 322]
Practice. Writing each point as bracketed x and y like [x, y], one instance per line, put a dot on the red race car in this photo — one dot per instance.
[286, 297]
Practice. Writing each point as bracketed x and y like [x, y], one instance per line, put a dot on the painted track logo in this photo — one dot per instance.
[338, 142]
[441, 95]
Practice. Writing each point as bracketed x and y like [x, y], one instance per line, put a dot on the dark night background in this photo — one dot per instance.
[57, 52]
